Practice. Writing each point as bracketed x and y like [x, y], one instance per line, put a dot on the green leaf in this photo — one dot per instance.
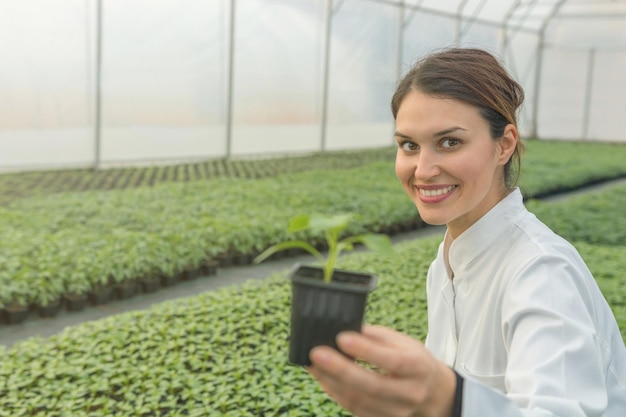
[291, 244]
[299, 223]
[377, 242]
[335, 223]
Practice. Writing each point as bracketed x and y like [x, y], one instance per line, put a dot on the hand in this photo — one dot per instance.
[406, 380]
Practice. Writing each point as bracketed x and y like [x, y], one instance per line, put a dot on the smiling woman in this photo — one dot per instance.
[517, 325]
[448, 162]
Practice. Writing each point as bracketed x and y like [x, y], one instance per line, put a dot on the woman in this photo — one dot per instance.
[516, 323]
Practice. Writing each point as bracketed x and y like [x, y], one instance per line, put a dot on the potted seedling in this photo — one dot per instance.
[15, 300]
[326, 300]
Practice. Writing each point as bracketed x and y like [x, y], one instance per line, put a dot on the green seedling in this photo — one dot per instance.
[332, 226]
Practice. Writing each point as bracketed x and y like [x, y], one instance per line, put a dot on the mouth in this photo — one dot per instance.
[435, 192]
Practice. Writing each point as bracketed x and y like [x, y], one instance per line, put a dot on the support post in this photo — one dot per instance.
[459, 22]
[588, 91]
[537, 86]
[98, 87]
[329, 19]
[400, 42]
[231, 74]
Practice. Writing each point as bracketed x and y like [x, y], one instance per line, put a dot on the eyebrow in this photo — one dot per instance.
[437, 134]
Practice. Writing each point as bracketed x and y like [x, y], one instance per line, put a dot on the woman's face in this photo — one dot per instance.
[447, 161]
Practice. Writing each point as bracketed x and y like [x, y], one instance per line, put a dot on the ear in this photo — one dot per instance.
[507, 144]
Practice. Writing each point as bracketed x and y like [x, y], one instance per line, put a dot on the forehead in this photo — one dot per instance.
[426, 114]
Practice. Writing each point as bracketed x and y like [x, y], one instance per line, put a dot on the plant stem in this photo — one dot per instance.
[331, 238]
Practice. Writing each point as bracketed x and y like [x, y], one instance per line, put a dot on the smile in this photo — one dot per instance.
[437, 192]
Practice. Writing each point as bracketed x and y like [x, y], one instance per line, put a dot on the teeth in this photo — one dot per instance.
[434, 193]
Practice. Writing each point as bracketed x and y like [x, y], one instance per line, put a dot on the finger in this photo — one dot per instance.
[388, 336]
[397, 358]
[352, 386]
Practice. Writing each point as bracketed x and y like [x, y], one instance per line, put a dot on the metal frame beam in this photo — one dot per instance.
[472, 19]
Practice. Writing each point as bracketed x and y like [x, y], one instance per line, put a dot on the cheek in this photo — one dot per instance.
[403, 168]
[480, 167]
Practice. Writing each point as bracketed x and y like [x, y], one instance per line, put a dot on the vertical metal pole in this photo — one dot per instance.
[540, 52]
[400, 42]
[538, 68]
[588, 90]
[231, 61]
[89, 80]
[457, 36]
[98, 86]
[459, 22]
[329, 19]
[400, 54]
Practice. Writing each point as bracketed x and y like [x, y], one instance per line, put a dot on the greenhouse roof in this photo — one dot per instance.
[579, 23]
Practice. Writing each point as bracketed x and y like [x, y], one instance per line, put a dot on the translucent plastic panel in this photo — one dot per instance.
[520, 59]
[490, 10]
[562, 94]
[493, 11]
[445, 6]
[362, 74]
[163, 78]
[476, 35]
[45, 84]
[608, 102]
[425, 33]
[607, 33]
[532, 14]
[278, 76]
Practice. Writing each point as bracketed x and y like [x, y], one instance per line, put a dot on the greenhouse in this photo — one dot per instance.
[152, 153]
[96, 83]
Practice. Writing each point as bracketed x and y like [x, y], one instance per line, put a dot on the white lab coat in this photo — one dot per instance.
[524, 322]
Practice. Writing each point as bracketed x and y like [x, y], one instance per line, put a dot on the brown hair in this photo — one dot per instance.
[475, 77]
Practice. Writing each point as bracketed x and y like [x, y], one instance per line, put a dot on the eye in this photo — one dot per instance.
[409, 146]
[449, 143]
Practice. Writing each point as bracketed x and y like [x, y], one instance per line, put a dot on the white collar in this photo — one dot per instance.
[480, 236]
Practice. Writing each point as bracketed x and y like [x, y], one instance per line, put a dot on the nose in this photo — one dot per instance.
[426, 165]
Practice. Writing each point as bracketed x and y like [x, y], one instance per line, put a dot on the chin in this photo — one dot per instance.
[433, 220]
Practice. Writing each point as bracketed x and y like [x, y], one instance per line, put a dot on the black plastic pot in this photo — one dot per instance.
[320, 310]
[167, 280]
[14, 313]
[75, 301]
[100, 294]
[126, 289]
[149, 284]
[49, 310]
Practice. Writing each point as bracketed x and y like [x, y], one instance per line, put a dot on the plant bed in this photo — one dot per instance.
[207, 340]
[320, 310]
